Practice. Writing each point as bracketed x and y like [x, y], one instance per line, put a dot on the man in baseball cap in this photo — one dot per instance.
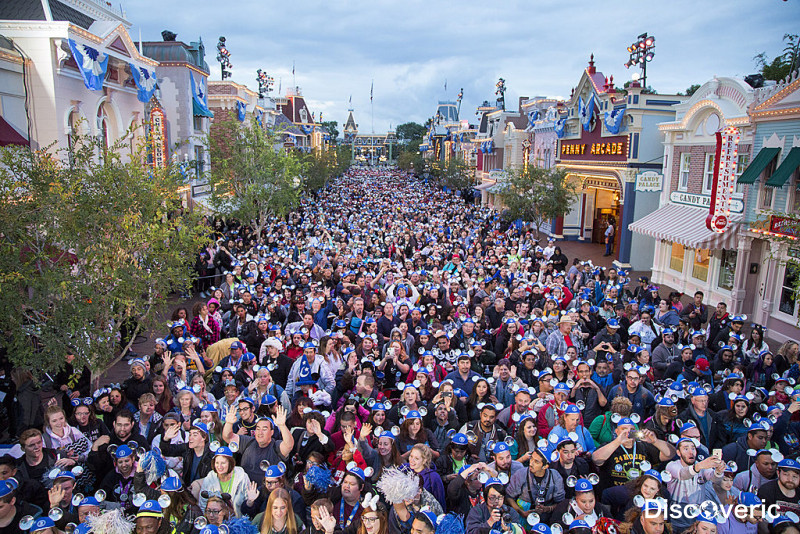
[784, 487]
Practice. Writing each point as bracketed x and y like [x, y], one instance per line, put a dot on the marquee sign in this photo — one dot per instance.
[724, 183]
[593, 146]
[158, 138]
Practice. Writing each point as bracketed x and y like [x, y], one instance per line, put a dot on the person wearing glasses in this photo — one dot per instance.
[493, 513]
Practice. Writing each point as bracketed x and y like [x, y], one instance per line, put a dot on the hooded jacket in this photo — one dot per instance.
[737, 451]
[432, 482]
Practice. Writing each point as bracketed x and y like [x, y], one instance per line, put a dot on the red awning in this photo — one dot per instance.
[9, 136]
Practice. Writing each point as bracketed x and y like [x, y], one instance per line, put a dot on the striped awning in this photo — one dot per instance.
[686, 225]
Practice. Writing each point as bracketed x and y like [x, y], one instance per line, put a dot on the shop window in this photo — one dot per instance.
[199, 163]
[727, 269]
[795, 205]
[683, 179]
[701, 263]
[676, 257]
[765, 199]
[198, 123]
[708, 174]
[741, 165]
[788, 297]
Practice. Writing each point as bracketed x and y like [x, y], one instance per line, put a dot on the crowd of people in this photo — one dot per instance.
[389, 359]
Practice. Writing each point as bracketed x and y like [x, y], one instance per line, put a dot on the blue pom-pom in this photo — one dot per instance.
[154, 466]
[319, 478]
[450, 524]
[240, 525]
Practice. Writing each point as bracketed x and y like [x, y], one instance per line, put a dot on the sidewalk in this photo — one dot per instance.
[594, 251]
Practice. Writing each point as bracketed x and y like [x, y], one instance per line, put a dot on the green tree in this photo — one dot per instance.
[692, 89]
[90, 246]
[452, 173]
[779, 67]
[333, 128]
[409, 131]
[536, 195]
[321, 166]
[254, 180]
[408, 160]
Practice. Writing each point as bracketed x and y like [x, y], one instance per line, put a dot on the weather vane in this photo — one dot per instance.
[224, 58]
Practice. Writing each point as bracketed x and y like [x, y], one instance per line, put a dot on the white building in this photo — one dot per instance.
[59, 101]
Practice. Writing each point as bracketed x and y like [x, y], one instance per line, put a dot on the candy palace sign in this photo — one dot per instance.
[702, 201]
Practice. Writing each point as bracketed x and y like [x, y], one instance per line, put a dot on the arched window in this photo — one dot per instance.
[103, 126]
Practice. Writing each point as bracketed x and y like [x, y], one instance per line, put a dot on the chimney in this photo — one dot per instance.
[591, 70]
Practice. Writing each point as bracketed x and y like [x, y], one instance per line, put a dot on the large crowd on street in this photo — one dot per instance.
[391, 359]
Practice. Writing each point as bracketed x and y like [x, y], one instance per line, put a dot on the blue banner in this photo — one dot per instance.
[560, 125]
[241, 111]
[586, 112]
[92, 63]
[199, 97]
[260, 117]
[307, 129]
[533, 116]
[613, 120]
[145, 81]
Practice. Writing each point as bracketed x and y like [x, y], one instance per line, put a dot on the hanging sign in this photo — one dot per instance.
[158, 141]
[727, 155]
[649, 181]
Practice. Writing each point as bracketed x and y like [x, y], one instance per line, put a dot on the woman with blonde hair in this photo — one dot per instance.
[278, 517]
[187, 406]
[419, 460]
[67, 440]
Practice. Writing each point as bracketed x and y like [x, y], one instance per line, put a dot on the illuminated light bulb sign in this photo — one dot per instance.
[727, 155]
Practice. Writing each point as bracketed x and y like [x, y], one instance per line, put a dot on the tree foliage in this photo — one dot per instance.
[409, 131]
[322, 166]
[452, 173]
[254, 179]
[89, 244]
[408, 160]
[333, 128]
[692, 89]
[783, 64]
[536, 195]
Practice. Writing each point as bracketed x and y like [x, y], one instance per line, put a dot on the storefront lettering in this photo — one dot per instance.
[596, 149]
[649, 181]
[702, 201]
[158, 143]
[724, 179]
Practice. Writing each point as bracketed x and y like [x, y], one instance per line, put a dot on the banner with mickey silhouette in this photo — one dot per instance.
[92, 64]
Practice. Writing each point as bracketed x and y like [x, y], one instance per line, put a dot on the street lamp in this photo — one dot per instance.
[265, 83]
[641, 52]
[224, 58]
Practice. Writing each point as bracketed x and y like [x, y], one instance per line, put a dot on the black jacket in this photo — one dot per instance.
[187, 454]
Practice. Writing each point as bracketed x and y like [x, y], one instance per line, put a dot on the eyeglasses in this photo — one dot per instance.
[213, 512]
[369, 520]
[495, 498]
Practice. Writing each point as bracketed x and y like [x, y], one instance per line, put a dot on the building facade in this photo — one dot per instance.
[688, 256]
[606, 141]
[181, 66]
[83, 69]
[769, 239]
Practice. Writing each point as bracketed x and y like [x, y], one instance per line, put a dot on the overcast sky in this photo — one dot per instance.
[410, 47]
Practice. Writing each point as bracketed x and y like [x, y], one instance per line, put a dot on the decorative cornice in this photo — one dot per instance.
[7, 56]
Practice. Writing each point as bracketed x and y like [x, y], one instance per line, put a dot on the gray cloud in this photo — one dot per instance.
[409, 48]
